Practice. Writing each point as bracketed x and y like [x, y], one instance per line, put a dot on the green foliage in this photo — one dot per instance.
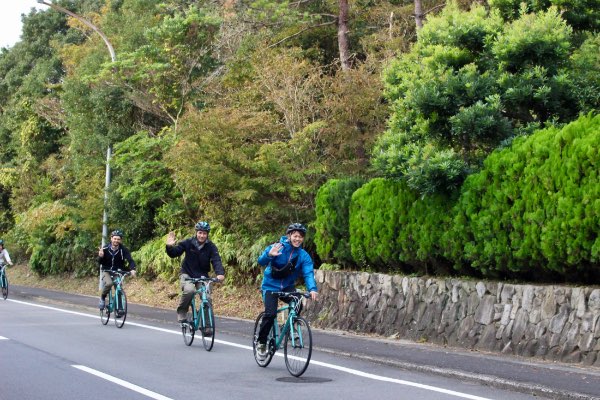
[152, 260]
[582, 15]
[143, 188]
[471, 84]
[391, 226]
[54, 241]
[373, 223]
[332, 207]
[176, 55]
[533, 210]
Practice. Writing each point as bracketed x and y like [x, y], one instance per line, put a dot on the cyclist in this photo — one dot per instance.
[285, 262]
[112, 257]
[200, 253]
[4, 256]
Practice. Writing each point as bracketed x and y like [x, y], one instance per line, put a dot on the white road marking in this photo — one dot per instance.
[121, 382]
[3, 338]
[314, 362]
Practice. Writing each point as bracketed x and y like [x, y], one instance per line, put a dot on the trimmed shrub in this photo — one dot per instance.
[332, 208]
[393, 227]
[534, 210]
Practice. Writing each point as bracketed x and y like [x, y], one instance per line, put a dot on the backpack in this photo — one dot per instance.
[287, 269]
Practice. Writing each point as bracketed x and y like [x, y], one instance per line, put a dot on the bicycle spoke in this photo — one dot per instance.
[263, 362]
[298, 347]
[208, 326]
[120, 308]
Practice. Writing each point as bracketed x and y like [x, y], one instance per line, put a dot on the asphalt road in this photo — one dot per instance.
[55, 347]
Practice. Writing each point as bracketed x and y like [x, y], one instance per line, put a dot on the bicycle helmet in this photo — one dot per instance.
[296, 227]
[1, 242]
[203, 226]
[117, 232]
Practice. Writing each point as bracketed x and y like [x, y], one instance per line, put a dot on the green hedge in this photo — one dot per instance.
[332, 204]
[393, 227]
[534, 210]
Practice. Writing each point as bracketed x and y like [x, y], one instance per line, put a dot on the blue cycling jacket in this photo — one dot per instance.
[304, 267]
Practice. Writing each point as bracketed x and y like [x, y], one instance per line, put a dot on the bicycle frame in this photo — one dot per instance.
[118, 281]
[202, 318]
[204, 292]
[117, 300]
[279, 333]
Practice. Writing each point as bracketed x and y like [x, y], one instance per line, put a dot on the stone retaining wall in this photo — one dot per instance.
[551, 322]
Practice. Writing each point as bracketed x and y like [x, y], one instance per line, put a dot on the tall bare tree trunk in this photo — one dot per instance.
[419, 14]
[343, 35]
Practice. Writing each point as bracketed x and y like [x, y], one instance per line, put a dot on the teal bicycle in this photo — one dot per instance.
[294, 335]
[202, 317]
[117, 300]
[3, 281]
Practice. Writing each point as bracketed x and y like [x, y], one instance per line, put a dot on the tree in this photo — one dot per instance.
[470, 84]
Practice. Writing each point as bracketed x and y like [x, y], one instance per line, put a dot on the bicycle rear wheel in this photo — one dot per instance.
[120, 308]
[187, 329]
[298, 347]
[270, 343]
[208, 328]
[4, 286]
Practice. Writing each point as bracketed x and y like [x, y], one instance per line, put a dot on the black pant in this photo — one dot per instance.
[271, 303]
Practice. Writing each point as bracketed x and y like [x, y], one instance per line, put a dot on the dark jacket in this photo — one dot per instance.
[114, 260]
[196, 262]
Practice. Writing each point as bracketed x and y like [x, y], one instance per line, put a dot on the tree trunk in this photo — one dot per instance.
[343, 35]
[419, 14]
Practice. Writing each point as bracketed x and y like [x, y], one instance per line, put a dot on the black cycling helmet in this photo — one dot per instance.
[203, 226]
[296, 227]
[117, 232]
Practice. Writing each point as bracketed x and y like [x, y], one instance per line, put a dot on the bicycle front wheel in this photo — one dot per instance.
[4, 286]
[208, 326]
[105, 312]
[120, 308]
[298, 347]
[187, 330]
[266, 360]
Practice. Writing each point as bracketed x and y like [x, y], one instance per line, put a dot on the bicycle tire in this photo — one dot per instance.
[4, 286]
[188, 331]
[120, 308]
[208, 323]
[297, 352]
[105, 312]
[271, 345]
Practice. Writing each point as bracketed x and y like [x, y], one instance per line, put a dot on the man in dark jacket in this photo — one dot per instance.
[200, 253]
[112, 257]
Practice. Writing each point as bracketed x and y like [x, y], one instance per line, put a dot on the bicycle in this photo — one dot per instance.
[117, 300]
[294, 334]
[200, 321]
[3, 281]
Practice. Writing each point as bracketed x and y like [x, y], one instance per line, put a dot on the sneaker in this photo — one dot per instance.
[101, 304]
[208, 332]
[261, 351]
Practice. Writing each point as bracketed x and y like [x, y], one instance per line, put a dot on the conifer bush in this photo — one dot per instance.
[534, 210]
[332, 207]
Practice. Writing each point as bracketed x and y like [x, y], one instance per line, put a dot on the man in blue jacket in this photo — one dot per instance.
[286, 261]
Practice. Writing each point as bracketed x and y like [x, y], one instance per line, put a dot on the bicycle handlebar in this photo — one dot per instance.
[117, 272]
[290, 294]
[203, 279]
